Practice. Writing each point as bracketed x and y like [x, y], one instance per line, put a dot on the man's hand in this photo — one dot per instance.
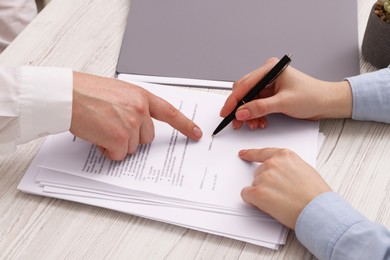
[117, 116]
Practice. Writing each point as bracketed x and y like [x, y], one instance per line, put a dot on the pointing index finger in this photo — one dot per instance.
[165, 112]
[257, 155]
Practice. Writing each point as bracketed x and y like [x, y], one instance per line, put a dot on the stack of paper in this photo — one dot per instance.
[175, 180]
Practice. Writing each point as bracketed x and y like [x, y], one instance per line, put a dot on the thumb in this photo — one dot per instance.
[258, 108]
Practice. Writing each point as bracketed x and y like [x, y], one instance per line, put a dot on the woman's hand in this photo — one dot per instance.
[283, 184]
[294, 94]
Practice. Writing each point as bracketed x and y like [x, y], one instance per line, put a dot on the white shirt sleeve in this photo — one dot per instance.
[34, 102]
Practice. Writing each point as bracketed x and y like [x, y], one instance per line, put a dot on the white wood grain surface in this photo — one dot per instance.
[86, 35]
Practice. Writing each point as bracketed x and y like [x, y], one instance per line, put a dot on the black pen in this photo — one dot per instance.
[267, 80]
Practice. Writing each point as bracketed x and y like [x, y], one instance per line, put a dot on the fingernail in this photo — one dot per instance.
[197, 132]
[220, 112]
[262, 125]
[236, 125]
[242, 152]
[243, 114]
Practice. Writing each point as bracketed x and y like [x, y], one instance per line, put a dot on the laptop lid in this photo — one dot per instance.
[222, 40]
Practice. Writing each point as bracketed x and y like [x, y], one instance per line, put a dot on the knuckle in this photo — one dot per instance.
[146, 139]
[286, 152]
[114, 156]
[237, 84]
[244, 84]
[259, 192]
[132, 123]
[272, 60]
[271, 163]
[140, 108]
[132, 148]
[254, 195]
[267, 176]
[172, 111]
[120, 157]
[247, 194]
[120, 137]
[260, 108]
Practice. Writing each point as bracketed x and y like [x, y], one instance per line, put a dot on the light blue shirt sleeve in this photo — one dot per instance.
[371, 96]
[328, 226]
[331, 229]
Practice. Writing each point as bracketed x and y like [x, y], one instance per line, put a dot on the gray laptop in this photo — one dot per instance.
[222, 40]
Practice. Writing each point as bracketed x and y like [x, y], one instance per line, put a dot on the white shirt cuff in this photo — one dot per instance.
[45, 101]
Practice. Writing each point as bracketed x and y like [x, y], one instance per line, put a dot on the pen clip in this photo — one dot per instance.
[280, 72]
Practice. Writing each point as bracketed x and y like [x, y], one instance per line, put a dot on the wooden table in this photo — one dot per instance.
[86, 36]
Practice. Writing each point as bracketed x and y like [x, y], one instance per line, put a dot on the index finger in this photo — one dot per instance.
[257, 155]
[244, 85]
[163, 111]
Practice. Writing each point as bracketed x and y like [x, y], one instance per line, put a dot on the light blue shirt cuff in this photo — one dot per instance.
[323, 221]
[371, 96]
[331, 229]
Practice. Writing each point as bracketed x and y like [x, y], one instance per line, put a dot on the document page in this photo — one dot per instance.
[175, 180]
[206, 172]
[257, 229]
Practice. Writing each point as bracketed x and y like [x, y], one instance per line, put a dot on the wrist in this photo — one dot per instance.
[339, 100]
